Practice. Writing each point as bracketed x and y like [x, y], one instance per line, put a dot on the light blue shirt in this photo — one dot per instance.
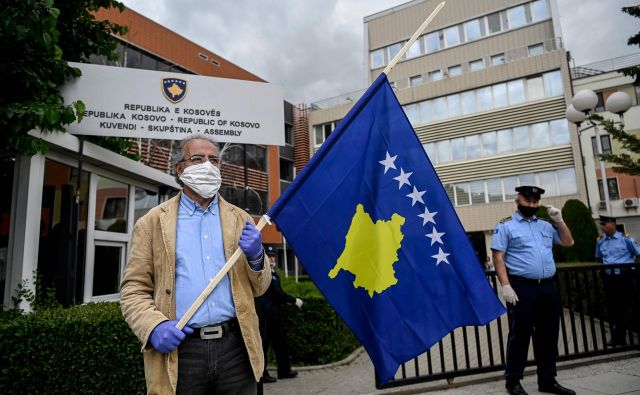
[617, 249]
[527, 245]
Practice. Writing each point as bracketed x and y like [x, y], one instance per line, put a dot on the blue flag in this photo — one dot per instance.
[374, 228]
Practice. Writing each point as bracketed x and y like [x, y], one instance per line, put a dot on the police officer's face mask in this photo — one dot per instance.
[527, 211]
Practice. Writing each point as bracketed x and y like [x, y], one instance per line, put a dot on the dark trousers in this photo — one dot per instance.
[274, 334]
[536, 315]
[217, 366]
[620, 294]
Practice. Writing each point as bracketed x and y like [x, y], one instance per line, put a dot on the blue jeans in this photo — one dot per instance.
[217, 366]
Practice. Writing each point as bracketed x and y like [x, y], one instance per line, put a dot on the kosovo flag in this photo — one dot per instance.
[372, 224]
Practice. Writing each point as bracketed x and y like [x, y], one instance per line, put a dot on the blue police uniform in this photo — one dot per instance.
[527, 246]
[618, 283]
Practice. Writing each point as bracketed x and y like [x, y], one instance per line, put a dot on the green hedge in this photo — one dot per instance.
[86, 349]
[89, 349]
[315, 321]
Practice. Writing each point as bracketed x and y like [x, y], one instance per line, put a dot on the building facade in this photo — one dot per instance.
[485, 88]
[604, 79]
[68, 215]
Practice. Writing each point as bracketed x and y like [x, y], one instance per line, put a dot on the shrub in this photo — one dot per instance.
[86, 349]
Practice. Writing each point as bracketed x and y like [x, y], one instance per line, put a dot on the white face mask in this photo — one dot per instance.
[203, 179]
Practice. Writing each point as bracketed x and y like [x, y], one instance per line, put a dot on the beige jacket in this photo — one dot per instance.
[148, 288]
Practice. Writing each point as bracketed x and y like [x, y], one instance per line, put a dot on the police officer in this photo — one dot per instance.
[615, 247]
[522, 255]
[271, 328]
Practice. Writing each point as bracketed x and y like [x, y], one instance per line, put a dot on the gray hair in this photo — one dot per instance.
[177, 153]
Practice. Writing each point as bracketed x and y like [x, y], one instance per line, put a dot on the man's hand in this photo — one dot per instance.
[165, 337]
[509, 295]
[251, 241]
[299, 303]
[555, 214]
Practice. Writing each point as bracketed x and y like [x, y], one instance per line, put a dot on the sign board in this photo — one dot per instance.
[126, 102]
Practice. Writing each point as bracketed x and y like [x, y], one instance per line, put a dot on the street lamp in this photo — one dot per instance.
[582, 106]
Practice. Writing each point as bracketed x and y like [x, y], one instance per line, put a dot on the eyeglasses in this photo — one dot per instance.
[200, 159]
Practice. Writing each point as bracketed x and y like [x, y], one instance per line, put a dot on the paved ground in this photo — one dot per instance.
[619, 374]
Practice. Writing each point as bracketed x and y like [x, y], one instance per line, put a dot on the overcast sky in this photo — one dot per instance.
[314, 48]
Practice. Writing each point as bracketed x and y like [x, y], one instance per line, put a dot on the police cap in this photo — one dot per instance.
[270, 251]
[604, 219]
[530, 191]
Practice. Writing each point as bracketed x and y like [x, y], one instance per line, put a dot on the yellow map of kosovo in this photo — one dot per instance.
[370, 251]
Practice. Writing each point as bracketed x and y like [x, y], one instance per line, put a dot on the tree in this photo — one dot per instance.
[624, 162]
[578, 218]
[39, 37]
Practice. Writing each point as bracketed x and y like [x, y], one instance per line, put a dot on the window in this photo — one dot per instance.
[494, 23]
[454, 105]
[457, 149]
[539, 10]
[485, 98]
[517, 17]
[510, 184]
[566, 182]
[489, 144]
[435, 75]
[472, 30]
[429, 148]
[605, 142]
[415, 80]
[494, 189]
[323, 131]
[472, 144]
[505, 141]
[145, 201]
[452, 35]
[111, 205]
[535, 88]
[288, 134]
[553, 83]
[468, 102]
[108, 265]
[516, 92]
[377, 58]
[541, 136]
[560, 132]
[476, 189]
[600, 104]
[463, 197]
[286, 170]
[521, 138]
[612, 185]
[411, 111]
[547, 181]
[455, 70]
[414, 50]
[439, 108]
[500, 96]
[443, 151]
[537, 49]
[527, 179]
[450, 193]
[393, 50]
[432, 42]
[497, 59]
[424, 109]
[477, 64]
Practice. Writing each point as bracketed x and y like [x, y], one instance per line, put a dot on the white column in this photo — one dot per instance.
[24, 232]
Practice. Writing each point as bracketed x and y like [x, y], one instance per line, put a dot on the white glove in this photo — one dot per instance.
[555, 214]
[299, 303]
[509, 295]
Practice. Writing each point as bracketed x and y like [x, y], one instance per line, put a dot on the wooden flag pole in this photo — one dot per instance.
[413, 38]
[217, 278]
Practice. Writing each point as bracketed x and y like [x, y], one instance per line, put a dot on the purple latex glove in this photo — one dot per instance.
[251, 241]
[165, 337]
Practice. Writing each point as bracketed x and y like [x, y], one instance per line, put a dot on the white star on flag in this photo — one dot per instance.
[416, 196]
[403, 178]
[427, 216]
[435, 236]
[441, 256]
[388, 162]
